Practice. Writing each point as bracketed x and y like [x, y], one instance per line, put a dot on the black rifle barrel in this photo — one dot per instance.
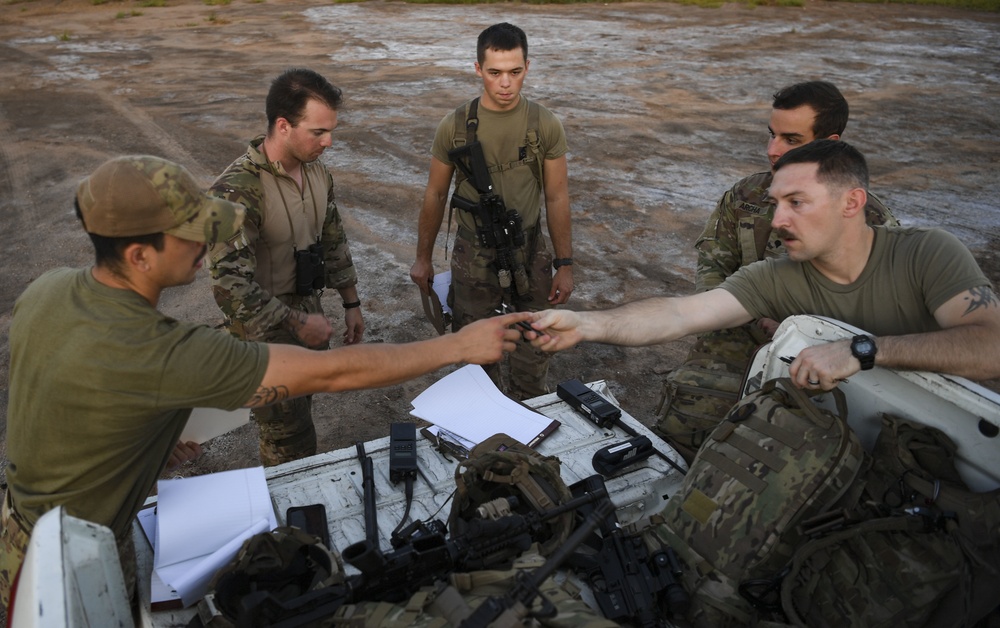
[368, 485]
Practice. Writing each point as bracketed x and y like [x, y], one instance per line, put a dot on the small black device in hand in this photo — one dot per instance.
[599, 410]
[310, 269]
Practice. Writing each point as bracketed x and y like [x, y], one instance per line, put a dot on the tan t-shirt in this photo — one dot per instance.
[911, 272]
[101, 386]
[503, 135]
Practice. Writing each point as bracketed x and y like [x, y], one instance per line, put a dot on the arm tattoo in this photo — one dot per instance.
[266, 396]
[980, 297]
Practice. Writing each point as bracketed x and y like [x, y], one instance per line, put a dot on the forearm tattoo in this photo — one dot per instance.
[268, 395]
[980, 297]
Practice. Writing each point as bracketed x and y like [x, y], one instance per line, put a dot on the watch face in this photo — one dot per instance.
[864, 346]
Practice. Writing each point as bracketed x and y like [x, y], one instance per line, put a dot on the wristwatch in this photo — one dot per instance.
[864, 349]
[559, 262]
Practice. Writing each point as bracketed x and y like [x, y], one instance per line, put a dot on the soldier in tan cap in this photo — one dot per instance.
[102, 383]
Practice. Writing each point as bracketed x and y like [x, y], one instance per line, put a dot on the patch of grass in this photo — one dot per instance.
[975, 5]
[153, 3]
[64, 36]
[978, 5]
[214, 18]
[124, 14]
[215, 3]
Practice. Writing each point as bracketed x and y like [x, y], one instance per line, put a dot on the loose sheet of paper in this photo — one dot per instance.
[206, 423]
[201, 523]
[441, 285]
[467, 403]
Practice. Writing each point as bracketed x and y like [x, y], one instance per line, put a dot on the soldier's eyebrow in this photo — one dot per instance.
[787, 136]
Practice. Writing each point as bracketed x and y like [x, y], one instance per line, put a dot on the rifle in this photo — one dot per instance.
[627, 581]
[427, 556]
[497, 227]
[512, 607]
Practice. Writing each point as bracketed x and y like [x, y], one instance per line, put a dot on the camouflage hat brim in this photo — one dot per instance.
[216, 221]
[137, 195]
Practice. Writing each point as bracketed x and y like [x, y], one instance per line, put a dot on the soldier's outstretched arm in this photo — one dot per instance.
[295, 371]
[429, 223]
[646, 322]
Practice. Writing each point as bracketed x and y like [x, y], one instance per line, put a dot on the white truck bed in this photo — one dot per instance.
[334, 479]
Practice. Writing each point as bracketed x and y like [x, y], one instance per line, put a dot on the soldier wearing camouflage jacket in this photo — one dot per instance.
[738, 233]
[290, 205]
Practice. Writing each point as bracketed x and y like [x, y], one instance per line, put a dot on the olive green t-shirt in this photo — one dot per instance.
[503, 135]
[910, 273]
[101, 386]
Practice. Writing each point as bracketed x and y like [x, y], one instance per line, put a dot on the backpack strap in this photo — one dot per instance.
[467, 122]
[534, 143]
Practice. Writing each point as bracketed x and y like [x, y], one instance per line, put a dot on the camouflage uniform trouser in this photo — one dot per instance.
[286, 428]
[14, 538]
[698, 395]
[476, 293]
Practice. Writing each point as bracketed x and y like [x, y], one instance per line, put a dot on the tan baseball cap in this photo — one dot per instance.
[141, 195]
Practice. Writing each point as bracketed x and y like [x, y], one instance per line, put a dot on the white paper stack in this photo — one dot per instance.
[202, 521]
[467, 404]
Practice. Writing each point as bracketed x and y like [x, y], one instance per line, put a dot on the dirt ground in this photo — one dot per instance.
[665, 107]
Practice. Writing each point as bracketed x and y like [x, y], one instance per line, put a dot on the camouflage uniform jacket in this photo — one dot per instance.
[738, 233]
[255, 270]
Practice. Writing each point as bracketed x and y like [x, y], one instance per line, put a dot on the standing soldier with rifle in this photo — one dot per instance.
[508, 151]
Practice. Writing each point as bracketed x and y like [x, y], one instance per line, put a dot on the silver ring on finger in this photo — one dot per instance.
[812, 382]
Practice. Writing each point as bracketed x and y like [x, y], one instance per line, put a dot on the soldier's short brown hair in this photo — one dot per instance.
[824, 98]
[292, 90]
[502, 36]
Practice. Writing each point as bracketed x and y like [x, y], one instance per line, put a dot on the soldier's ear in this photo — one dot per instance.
[135, 255]
[283, 126]
[856, 199]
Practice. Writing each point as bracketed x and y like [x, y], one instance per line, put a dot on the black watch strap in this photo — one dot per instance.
[864, 349]
[559, 262]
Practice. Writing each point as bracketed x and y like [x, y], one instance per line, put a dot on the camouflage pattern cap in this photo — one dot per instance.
[141, 195]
